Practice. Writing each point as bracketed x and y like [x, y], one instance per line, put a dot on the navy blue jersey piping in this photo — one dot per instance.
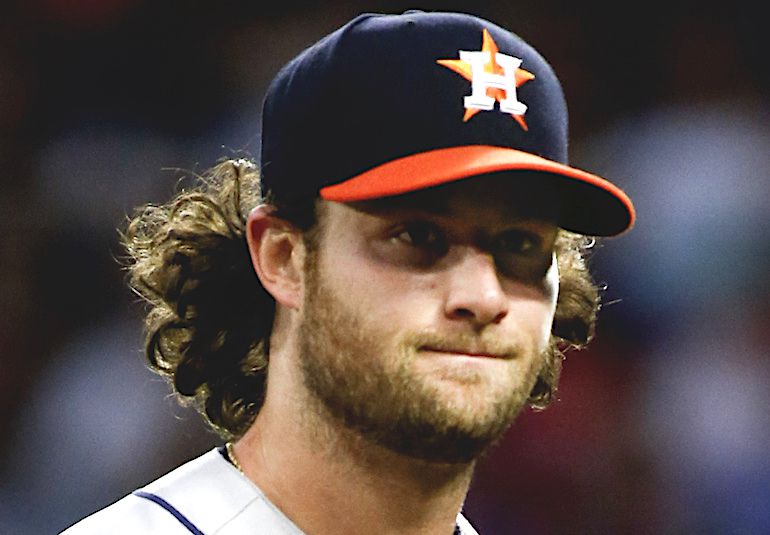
[170, 508]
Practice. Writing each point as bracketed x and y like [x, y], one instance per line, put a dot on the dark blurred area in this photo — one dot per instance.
[662, 426]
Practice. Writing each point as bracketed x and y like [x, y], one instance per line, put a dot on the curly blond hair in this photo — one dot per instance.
[209, 319]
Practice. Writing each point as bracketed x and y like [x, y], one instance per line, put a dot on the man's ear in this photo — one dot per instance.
[278, 255]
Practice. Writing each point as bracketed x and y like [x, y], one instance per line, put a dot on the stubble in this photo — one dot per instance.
[365, 378]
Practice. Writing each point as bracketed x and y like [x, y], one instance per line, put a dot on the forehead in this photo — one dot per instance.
[499, 198]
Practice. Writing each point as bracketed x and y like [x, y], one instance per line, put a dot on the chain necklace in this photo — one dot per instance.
[231, 456]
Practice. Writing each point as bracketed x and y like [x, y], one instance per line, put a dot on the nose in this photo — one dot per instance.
[474, 291]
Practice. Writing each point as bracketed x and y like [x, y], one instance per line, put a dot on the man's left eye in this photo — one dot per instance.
[518, 242]
[522, 255]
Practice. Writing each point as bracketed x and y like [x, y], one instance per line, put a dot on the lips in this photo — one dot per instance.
[471, 352]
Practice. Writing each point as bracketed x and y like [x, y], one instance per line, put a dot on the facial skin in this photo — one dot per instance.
[426, 316]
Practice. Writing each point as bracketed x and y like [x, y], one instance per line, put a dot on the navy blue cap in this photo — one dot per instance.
[389, 104]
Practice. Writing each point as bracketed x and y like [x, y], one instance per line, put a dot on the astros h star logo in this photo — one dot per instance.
[494, 78]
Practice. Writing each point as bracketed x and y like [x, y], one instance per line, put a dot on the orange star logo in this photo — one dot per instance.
[491, 70]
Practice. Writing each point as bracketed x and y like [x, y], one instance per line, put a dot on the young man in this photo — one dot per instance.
[410, 266]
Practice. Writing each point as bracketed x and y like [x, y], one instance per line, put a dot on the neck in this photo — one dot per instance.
[327, 479]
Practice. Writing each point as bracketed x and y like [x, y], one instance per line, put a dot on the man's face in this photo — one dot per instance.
[426, 316]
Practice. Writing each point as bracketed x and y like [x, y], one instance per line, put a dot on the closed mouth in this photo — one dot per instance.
[463, 352]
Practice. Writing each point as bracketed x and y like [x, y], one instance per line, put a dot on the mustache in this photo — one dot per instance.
[466, 343]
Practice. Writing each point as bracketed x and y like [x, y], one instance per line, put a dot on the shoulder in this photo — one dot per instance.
[464, 526]
[131, 514]
[205, 494]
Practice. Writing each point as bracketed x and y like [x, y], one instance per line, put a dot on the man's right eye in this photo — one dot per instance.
[419, 235]
[425, 239]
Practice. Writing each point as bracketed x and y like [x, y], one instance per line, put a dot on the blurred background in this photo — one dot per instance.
[662, 426]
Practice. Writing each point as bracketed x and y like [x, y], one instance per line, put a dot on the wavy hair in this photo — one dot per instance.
[209, 319]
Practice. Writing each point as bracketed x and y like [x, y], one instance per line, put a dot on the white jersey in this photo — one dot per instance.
[207, 495]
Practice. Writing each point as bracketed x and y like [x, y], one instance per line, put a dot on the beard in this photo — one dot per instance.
[367, 378]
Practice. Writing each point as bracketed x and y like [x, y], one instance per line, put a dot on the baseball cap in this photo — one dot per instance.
[389, 104]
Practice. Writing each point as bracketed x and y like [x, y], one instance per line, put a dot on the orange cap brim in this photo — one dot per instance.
[594, 205]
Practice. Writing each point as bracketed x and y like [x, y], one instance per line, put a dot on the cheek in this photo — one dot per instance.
[552, 284]
[551, 295]
[534, 315]
[379, 290]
